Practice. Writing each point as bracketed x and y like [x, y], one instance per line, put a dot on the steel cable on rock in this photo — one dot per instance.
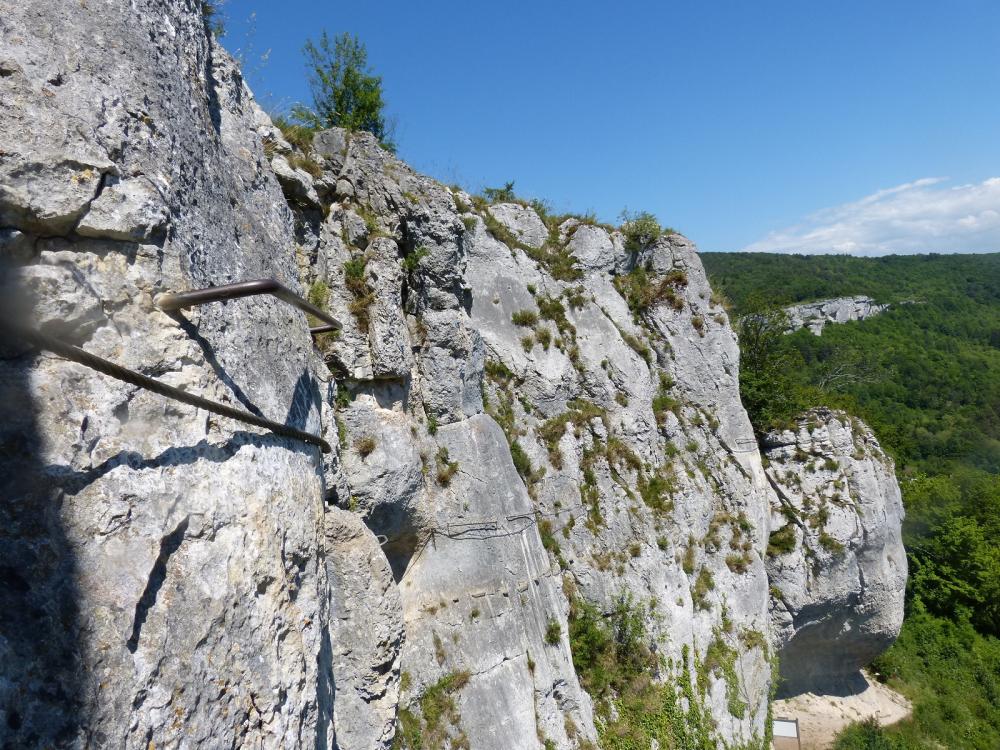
[76, 354]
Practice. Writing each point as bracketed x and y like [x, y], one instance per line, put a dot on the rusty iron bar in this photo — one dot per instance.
[85, 358]
[170, 302]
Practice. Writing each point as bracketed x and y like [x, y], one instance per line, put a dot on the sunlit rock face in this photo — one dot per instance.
[521, 439]
[836, 560]
[525, 416]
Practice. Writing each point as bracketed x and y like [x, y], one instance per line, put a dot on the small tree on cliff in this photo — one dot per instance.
[345, 93]
[771, 385]
[212, 16]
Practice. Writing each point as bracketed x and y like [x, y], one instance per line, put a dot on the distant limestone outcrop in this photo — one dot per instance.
[816, 315]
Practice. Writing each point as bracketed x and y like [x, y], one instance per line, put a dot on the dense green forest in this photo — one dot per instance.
[926, 376]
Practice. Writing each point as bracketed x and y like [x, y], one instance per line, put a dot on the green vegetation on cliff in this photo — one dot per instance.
[345, 92]
[925, 375]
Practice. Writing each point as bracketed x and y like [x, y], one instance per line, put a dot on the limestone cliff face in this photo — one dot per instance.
[163, 570]
[603, 454]
[836, 559]
[527, 419]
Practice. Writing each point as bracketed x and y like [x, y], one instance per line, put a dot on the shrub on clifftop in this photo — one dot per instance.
[640, 229]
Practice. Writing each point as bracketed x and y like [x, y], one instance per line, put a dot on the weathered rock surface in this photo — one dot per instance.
[487, 559]
[365, 633]
[522, 221]
[129, 210]
[815, 315]
[836, 560]
[173, 579]
[163, 576]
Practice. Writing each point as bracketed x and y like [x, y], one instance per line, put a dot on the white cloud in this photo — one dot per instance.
[925, 216]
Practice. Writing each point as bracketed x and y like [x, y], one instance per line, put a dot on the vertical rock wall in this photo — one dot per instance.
[603, 456]
[162, 567]
[836, 558]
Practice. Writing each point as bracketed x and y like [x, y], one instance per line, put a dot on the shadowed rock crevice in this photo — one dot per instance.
[400, 549]
[168, 546]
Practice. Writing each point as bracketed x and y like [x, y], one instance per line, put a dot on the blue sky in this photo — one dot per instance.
[864, 127]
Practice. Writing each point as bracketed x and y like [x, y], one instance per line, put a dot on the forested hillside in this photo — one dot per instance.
[926, 376]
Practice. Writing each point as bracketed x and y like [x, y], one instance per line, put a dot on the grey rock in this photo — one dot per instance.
[167, 565]
[125, 210]
[522, 221]
[54, 162]
[296, 183]
[332, 146]
[270, 136]
[451, 392]
[366, 634]
[599, 364]
[478, 595]
[593, 248]
[355, 229]
[816, 315]
[387, 484]
[387, 333]
[63, 303]
[350, 352]
[344, 188]
[839, 591]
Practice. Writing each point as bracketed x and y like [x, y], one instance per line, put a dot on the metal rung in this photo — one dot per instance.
[169, 302]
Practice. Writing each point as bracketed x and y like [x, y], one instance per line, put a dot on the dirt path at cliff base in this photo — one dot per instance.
[822, 716]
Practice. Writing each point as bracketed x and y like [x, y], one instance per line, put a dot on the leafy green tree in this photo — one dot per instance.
[500, 195]
[345, 93]
[951, 530]
[770, 369]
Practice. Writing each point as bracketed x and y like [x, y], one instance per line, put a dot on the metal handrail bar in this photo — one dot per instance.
[169, 301]
[85, 358]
